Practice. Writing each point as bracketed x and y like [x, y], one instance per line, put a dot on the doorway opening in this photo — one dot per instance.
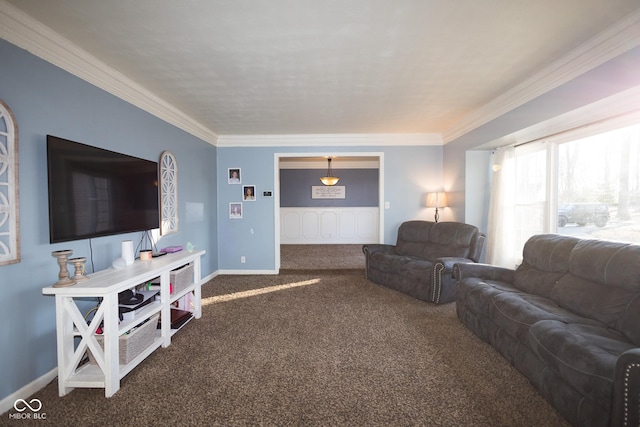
[319, 161]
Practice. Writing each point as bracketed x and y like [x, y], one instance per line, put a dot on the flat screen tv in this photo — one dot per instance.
[96, 192]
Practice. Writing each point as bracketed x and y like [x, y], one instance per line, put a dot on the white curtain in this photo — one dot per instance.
[501, 225]
[519, 200]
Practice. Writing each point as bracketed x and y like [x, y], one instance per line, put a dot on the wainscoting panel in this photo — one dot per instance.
[328, 225]
[308, 224]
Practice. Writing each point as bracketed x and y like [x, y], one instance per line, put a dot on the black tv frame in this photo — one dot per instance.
[95, 192]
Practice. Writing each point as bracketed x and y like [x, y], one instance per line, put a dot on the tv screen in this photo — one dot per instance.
[95, 192]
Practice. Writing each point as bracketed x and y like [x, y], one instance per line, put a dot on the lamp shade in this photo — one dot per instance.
[436, 200]
[329, 180]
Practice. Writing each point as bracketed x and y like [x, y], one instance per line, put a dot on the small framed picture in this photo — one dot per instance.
[249, 193]
[234, 176]
[235, 210]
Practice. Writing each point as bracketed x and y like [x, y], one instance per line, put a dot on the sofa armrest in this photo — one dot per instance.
[626, 390]
[371, 249]
[443, 281]
[483, 271]
[447, 263]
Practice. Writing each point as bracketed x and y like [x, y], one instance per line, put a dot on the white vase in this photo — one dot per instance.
[127, 252]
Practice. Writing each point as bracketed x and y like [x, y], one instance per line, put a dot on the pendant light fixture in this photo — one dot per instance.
[329, 180]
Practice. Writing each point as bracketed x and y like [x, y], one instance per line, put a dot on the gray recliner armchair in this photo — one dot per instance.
[421, 263]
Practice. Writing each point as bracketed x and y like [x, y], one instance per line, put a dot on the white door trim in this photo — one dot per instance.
[276, 190]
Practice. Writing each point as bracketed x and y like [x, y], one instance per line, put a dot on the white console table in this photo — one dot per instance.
[70, 323]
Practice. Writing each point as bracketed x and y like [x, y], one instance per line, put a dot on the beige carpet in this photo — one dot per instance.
[317, 257]
[310, 349]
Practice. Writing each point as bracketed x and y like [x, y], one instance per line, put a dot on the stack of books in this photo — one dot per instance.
[178, 318]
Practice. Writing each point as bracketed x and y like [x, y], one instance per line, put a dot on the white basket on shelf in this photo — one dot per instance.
[132, 343]
[181, 277]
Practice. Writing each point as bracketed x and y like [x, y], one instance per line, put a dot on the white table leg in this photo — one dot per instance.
[111, 348]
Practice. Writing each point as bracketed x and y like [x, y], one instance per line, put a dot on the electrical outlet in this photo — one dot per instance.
[243, 259]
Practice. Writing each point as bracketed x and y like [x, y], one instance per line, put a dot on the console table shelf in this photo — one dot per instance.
[107, 371]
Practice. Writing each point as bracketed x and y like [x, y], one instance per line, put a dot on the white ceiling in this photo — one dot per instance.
[279, 67]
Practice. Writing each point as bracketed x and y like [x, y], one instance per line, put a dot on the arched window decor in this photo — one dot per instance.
[168, 193]
[9, 213]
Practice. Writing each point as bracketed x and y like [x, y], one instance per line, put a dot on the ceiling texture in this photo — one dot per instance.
[317, 67]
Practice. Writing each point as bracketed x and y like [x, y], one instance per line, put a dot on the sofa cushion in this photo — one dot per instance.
[412, 237]
[433, 240]
[449, 239]
[583, 355]
[478, 293]
[610, 263]
[517, 312]
[390, 263]
[603, 283]
[545, 259]
[417, 267]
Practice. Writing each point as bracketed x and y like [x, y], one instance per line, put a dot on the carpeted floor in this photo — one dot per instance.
[317, 257]
[313, 349]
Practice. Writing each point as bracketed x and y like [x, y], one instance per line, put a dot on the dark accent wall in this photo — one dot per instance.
[361, 188]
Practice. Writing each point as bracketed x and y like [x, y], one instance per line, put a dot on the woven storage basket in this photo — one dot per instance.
[182, 277]
[132, 344]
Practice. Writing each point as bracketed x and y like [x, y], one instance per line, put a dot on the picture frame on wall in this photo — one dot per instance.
[324, 192]
[235, 210]
[249, 193]
[233, 176]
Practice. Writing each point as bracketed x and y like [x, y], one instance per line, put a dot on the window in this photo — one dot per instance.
[599, 186]
[583, 186]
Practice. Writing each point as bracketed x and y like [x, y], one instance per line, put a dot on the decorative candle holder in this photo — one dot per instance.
[146, 255]
[63, 275]
[78, 265]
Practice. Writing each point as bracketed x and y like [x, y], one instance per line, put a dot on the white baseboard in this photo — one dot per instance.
[210, 276]
[28, 390]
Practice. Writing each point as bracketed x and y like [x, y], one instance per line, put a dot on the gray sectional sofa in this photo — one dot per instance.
[421, 263]
[568, 318]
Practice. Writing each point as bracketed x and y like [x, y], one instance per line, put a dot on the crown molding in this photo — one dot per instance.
[330, 140]
[614, 41]
[619, 110]
[27, 33]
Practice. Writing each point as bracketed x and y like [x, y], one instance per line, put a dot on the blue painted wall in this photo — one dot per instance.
[361, 188]
[409, 173]
[47, 100]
